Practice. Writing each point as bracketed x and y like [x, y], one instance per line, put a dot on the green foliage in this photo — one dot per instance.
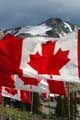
[15, 113]
[62, 106]
[16, 104]
[23, 106]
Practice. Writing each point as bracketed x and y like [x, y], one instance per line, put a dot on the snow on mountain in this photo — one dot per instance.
[49, 28]
[35, 30]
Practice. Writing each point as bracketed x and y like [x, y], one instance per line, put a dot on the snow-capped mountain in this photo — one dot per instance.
[49, 28]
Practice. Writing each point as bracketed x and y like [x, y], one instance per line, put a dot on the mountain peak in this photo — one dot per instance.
[52, 27]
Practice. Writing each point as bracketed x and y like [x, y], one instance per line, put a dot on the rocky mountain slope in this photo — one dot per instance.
[53, 27]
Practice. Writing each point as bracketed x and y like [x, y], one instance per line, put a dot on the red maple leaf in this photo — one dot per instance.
[30, 81]
[11, 91]
[49, 63]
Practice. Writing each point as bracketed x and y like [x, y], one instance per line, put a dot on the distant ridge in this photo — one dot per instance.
[52, 27]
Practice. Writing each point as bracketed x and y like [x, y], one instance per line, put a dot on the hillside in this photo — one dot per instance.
[53, 27]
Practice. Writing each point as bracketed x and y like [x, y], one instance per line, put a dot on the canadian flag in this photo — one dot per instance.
[40, 57]
[23, 83]
[40, 86]
[32, 84]
[20, 95]
[47, 86]
[57, 87]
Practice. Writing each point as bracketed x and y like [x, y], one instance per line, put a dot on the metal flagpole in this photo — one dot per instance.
[75, 105]
[31, 100]
[68, 100]
[62, 106]
[32, 103]
[49, 105]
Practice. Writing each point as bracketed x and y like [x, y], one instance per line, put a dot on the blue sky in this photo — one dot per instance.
[14, 13]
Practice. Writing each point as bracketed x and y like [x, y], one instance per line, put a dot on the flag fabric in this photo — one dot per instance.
[32, 84]
[7, 80]
[1, 98]
[20, 95]
[57, 87]
[41, 57]
[10, 54]
[45, 95]
[23, 83]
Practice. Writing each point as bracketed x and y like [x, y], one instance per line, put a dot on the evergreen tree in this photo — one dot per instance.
[62, 106]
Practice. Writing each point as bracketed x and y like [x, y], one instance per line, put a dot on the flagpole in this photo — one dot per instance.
[75, 105]
[62, 107]
[31, 101]
[68, 100]
[49, 106]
